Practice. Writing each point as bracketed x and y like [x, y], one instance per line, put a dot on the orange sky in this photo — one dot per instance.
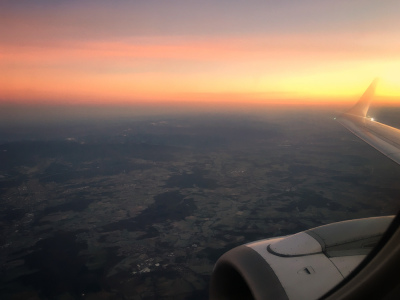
[43, 59]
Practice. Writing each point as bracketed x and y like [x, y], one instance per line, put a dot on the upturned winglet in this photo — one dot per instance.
[362, 106]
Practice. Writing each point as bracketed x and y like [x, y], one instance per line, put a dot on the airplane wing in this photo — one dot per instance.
[308, 264]
[383, 138]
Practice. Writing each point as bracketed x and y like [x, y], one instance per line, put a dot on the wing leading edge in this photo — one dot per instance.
[384, 138]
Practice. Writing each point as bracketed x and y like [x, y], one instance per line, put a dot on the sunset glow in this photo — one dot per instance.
[116, 55]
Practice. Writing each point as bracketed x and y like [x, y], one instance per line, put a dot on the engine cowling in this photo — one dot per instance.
[305, 265]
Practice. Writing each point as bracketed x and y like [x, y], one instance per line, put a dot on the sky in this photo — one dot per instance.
[165, 51]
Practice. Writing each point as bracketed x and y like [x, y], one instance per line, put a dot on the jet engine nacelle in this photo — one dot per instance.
[305, 265]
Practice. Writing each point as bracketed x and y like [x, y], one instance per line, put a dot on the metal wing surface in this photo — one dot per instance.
[384, 138]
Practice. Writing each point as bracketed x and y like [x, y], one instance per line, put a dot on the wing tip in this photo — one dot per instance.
[362, 106]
